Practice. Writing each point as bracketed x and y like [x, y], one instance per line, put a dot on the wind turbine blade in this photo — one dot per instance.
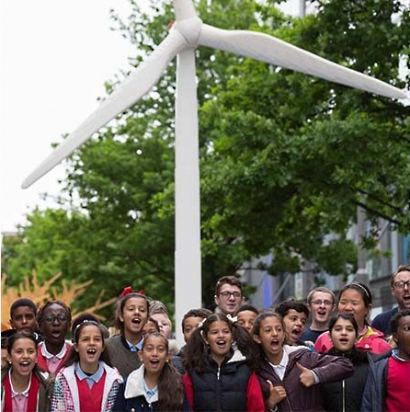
[138, 84]
[184, 9]
[272, 50]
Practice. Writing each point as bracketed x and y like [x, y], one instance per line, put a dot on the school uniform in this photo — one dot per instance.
[36, 398]
[76, 392]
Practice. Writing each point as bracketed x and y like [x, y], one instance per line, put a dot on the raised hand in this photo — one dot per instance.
[307, 378]
[277, 394]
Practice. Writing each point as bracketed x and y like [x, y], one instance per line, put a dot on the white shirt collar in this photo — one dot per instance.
[14, 393]
[49, 355]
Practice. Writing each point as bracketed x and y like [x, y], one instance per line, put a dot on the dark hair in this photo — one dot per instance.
[49, 303]
[196, 313]
[194, 357]
[260, 357]
[394, 321]
[156, 324]
[284, 307]
[23, 302]
[74, 356]
[20, 335]
[401, 268]
[80, 319]
[364, 292]
[345, 316]
[170, 389]
[118, 323]
[230, 280]
[247, 307]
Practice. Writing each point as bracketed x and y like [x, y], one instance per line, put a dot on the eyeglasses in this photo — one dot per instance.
[227, 294]
[53, 318]
[401, 283]
[322, 302]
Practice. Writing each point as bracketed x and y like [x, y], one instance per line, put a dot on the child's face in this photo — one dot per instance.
[246, 318]
[154, 354]
[164, 323]
[343, 335]
[23, 356]
[134, 315]
[219, 338]
[271, 337]
[149, 327]
[23, 319]
[321, 306]
[351, 301]
[402, 337]
[54, 323]
[190, 325]
[90, 345]
[295, 325]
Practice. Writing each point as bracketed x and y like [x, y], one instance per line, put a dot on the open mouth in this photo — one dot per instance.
[322, 312]
[221, 342]
[25, 366]
[91, 351]
[296, 333]
[56, 334]
[344, 341]
[136, 321]
[274, 344]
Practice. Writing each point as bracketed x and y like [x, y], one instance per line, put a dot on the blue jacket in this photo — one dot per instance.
[374, 396]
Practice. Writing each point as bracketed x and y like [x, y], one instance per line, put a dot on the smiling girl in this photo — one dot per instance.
[24, 386]
[87, 382]
[156, 385]
[356, 299]
[130, 318]
[218, 376]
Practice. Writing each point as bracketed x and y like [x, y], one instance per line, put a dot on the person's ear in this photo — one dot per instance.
[75, 346]
[256, 338]
[216, 300]
[139, 353]
[395, 338]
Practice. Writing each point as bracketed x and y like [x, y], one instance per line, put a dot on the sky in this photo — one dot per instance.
[55, 57]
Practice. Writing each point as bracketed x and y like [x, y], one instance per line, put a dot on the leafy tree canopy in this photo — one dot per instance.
[285, 158]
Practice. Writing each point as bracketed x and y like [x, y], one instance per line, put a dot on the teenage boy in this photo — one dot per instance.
[23, 317]
[228, 295]
[321, 302]
[387, 386]
[400, 289]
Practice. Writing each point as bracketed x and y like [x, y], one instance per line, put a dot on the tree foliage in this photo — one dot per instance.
[285, 158]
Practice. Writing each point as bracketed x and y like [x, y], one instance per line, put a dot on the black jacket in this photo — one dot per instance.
[346, 395]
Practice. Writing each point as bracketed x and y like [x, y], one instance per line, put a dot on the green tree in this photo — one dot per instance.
[285, 158]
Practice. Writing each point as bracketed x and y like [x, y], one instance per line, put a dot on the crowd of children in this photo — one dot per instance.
[237, 358]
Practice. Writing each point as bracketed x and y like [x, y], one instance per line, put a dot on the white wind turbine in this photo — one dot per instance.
[187, 33]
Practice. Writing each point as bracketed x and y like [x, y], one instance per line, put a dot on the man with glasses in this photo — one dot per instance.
[321, 303]
[228, 295]
[400, 289]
